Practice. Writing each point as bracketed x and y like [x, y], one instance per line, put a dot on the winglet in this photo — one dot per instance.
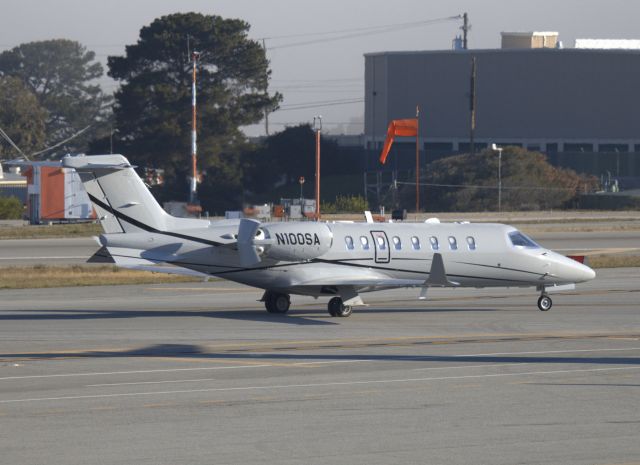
[438, 275]
[368, 216]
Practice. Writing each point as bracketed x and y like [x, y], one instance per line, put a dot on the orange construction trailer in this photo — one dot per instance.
[56, 194]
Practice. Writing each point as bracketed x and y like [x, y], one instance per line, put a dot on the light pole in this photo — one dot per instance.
[301, 181]
[495, 148]
[317, 126]
[111, 133]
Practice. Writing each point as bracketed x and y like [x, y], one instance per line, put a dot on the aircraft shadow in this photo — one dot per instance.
[242, 315]
[250, 353]
[370, 310]
[303, 317]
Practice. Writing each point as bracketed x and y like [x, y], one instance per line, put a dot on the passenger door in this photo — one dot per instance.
[381, 247]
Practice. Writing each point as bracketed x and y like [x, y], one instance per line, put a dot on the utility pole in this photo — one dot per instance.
[317, 125]
[495, 148]
[472, 107]
[193, 194]
[465, 30]
[417, 159]
[266, 111]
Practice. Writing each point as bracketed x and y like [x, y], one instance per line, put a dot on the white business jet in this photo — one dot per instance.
[340, 260]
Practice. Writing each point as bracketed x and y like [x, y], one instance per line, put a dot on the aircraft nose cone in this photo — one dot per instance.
[588, 273]
[577, 272]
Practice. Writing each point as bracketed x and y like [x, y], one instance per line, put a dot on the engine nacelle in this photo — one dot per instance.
[294, 241]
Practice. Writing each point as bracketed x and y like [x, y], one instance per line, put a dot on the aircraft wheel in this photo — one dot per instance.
[334, 306]
[337, 308]
[277, 303]
[544, 303]
[346, 311]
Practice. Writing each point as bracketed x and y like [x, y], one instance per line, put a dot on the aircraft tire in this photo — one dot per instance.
[337, 308]
[346, 311]
[545, 303]
[277, 302]
[333, 306]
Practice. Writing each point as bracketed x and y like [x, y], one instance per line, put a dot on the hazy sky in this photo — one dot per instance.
[327, 70]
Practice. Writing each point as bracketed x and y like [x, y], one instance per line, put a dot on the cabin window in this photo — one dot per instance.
[471, 242]
[397, 243]
[381, 243]
[349, 241]
[520, 240]
[453, 243]
[434, 243]
[365, 242]
[415, 243]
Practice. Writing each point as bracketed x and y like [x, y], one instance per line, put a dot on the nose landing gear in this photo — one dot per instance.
[544, 303]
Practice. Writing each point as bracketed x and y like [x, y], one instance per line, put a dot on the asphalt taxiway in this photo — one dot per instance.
[201, 374]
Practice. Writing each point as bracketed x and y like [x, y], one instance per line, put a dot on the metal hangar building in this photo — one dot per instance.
[531, 93]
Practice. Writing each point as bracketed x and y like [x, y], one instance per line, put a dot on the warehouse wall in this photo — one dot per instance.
[523, 96]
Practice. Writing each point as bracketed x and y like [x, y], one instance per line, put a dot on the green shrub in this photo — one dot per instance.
[346, 204]
[10, 208]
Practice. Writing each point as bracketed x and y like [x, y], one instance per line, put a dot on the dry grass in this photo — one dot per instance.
[614, 261]
[39, 276]
[47, 231]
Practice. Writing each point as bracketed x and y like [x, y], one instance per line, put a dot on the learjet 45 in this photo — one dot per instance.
[339, 260]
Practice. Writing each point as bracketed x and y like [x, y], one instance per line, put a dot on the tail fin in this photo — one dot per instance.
[122, 201]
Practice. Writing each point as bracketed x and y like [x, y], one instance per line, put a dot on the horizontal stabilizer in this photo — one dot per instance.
[103, 255]
[162, 268]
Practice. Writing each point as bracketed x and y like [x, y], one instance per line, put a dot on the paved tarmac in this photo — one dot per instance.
[58, 251]
[201, 374]
[69, 251]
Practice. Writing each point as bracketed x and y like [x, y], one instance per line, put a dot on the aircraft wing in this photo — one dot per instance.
[357, 277]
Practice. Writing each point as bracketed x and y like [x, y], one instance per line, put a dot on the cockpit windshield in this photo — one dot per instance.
[520, 240]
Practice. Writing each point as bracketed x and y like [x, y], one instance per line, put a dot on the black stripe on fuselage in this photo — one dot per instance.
[331, 262]
[499, 267]
[359, 265]
[145, 227]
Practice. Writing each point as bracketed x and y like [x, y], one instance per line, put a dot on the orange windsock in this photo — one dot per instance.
[398, 127]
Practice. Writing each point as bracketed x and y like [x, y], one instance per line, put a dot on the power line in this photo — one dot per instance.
[319, 80]
[472, 186]
[364, 29]
[319, 104]
[61, 142]
[365, 32]
[8, 139]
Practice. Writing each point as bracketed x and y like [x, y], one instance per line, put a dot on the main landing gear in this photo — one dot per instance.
[276, 302]
[337, 308]
[544, 302]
